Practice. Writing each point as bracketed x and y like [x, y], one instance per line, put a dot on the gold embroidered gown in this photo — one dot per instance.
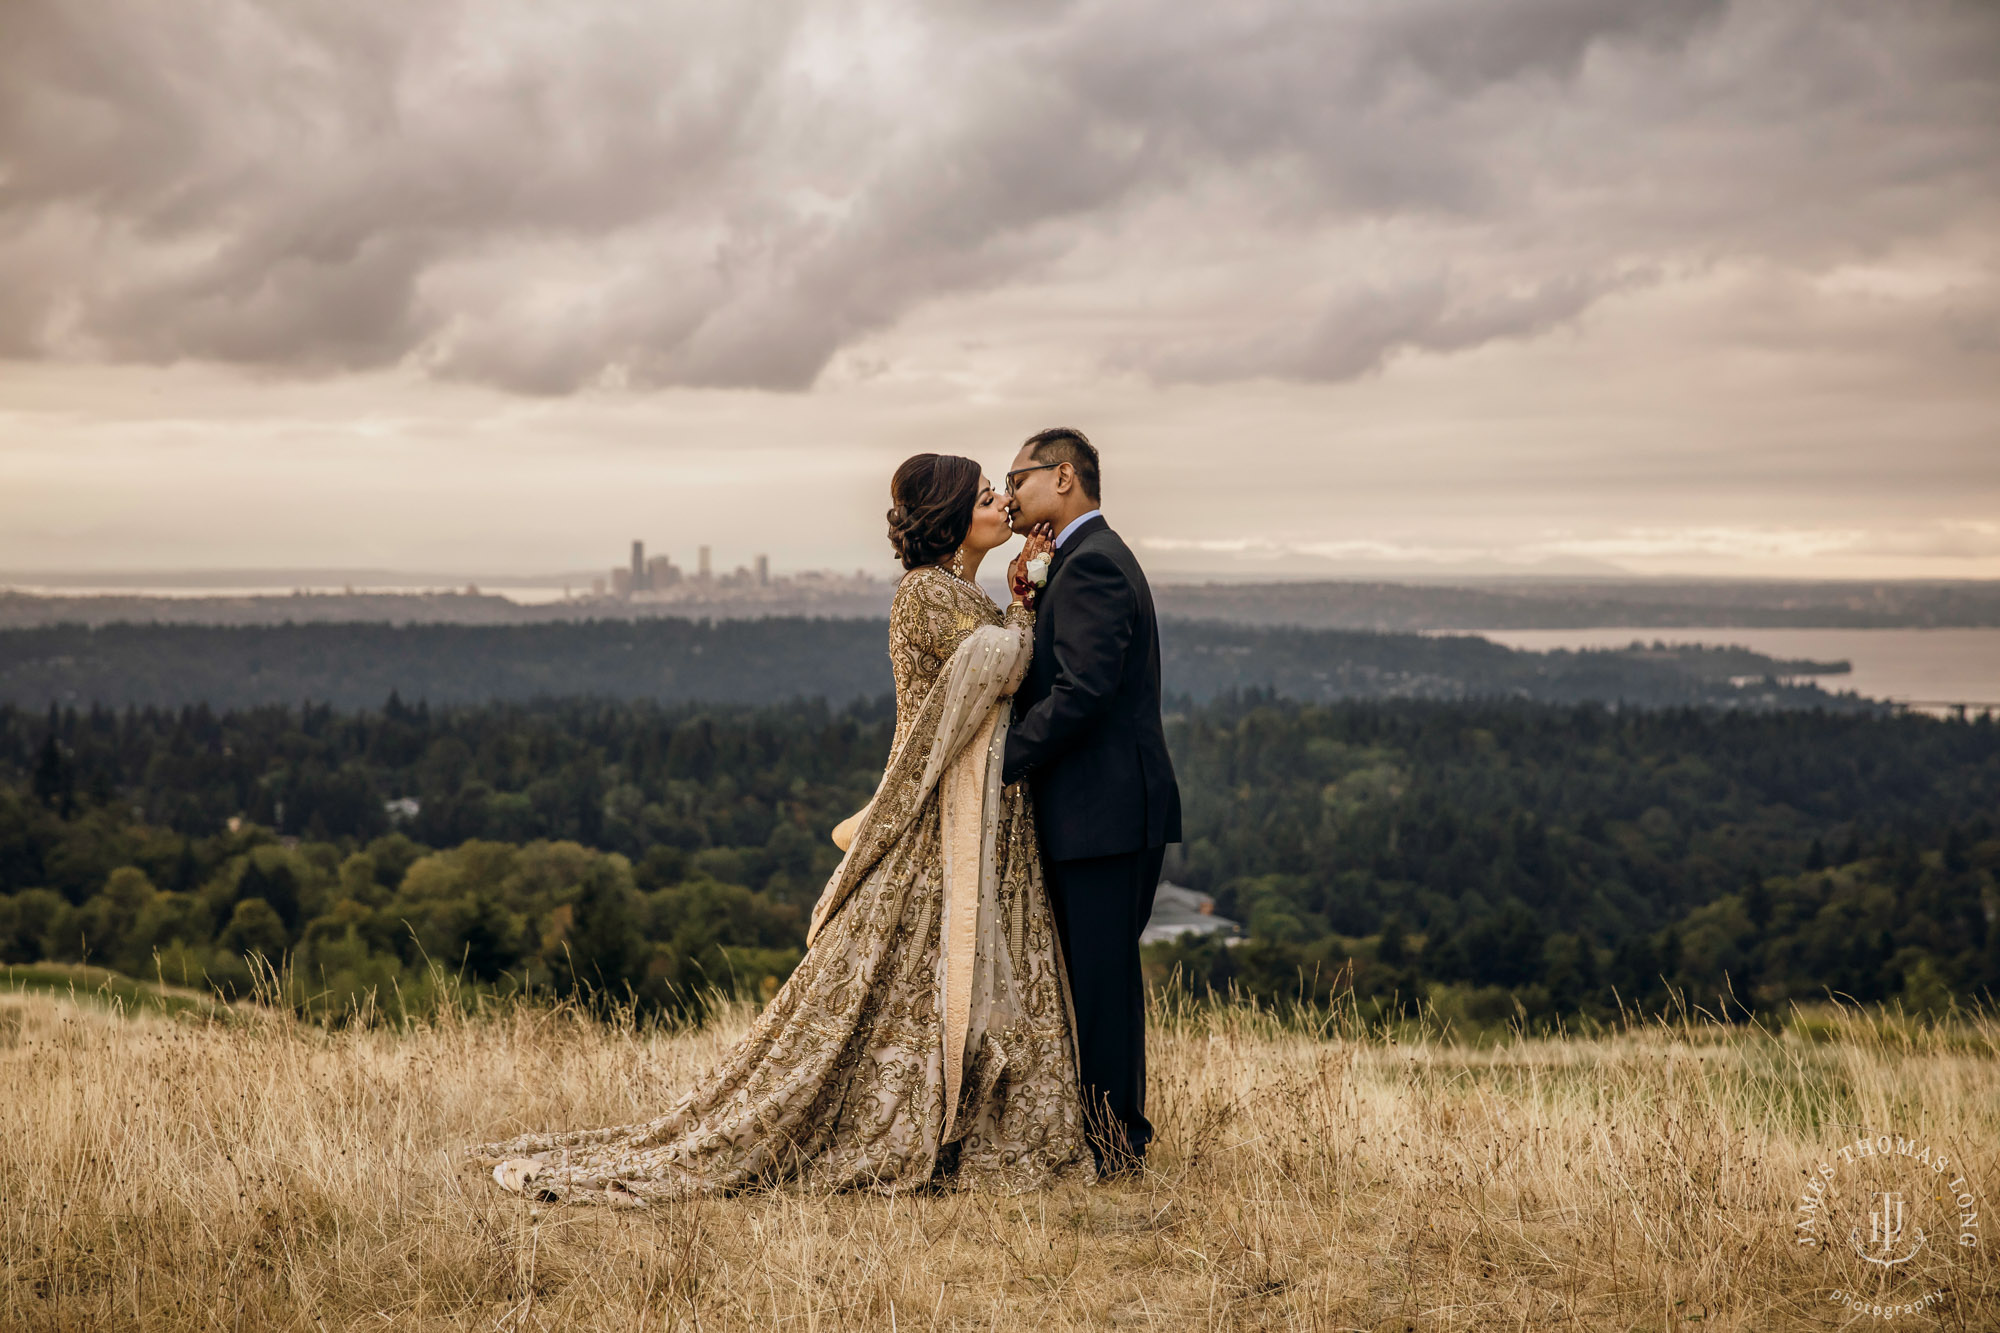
[930, 1009]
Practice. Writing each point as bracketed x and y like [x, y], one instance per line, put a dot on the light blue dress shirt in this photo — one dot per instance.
[1074, 524]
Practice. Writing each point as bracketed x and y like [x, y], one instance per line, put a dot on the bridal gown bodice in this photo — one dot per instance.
[932, 615]
[843, 1080]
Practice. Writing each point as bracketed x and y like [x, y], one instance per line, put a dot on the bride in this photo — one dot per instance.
[927, 1032]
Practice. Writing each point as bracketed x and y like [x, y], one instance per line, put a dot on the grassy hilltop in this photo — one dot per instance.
[256, 1173]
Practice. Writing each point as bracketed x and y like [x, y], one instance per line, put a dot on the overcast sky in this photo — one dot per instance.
[1361, 285]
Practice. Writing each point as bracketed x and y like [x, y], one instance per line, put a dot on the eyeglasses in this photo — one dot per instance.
[1024, 471]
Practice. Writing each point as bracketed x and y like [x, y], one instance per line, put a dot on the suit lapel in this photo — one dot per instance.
[1075, 540]
[1042, 669]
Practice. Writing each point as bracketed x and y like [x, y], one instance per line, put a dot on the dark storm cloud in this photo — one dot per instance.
[541, 196]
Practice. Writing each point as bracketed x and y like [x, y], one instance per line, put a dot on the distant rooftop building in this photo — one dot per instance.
[1178, 911]
[638, 565]
[704, 567]
[763, 571]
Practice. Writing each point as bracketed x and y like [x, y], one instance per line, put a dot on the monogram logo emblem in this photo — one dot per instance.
[1885, 1229]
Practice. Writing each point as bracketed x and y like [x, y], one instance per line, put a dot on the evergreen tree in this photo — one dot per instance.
[490, 943]
[602, 954]
[1393, 950]
[1757, 901]
[55, 778]
[277, 887]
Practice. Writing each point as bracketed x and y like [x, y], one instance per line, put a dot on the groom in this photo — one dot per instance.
[1088, 738]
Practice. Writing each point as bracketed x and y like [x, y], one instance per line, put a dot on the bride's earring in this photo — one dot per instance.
[958, 565]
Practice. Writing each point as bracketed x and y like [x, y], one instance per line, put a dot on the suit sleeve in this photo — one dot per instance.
[1094, 626]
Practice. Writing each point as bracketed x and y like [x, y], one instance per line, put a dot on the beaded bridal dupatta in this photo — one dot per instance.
[962, 766]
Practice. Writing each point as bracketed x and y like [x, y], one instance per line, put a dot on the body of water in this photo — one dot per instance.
[1922, 667]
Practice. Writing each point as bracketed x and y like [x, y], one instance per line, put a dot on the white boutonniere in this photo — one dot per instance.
[1038, 571]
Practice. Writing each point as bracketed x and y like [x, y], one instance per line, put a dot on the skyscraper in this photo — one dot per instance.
[638, 565]
[763, 571]
[704, 568]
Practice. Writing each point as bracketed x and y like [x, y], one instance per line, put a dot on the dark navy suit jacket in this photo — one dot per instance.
[1087, 733]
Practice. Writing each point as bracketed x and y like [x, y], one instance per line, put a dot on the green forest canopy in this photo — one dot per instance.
[1498, 858]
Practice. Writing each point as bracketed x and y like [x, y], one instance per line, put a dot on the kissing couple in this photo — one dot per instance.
[970, 1010]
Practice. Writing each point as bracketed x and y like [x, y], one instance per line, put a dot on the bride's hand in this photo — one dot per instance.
[1039, 543]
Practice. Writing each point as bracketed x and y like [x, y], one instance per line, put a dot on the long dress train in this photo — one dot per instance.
[931, 1008]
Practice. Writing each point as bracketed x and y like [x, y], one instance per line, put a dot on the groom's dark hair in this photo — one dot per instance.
[1064, 444]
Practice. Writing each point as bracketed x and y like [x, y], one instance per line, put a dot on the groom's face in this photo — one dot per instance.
[1033, 496]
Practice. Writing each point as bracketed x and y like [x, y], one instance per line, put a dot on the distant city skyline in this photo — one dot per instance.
[1378, 288]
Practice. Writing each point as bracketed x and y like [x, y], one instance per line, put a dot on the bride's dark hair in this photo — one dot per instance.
[934, 497]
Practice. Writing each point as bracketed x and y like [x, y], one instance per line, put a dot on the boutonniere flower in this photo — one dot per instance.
[1038, 570]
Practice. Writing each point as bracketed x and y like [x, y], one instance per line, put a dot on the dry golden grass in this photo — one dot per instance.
[175, 1173]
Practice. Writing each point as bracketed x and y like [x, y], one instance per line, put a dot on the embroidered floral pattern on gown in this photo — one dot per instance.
[842, 1081]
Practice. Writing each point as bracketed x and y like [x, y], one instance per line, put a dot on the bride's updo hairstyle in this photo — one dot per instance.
[934, 498]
